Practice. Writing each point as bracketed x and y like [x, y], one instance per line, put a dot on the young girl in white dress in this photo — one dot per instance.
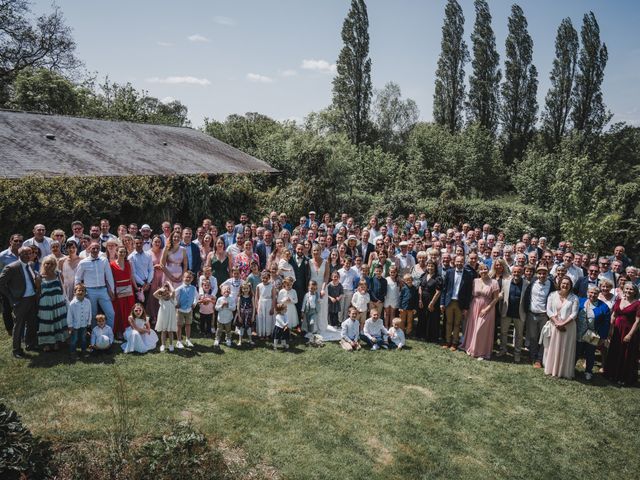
[265, 301]
[167, 321]
[289, 297]
[138, 336]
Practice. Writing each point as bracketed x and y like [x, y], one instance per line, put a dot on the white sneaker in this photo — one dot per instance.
[179, 345]
[588, 376]
[216, 343]
[228, 342]
[188, 343]
[239, 342]
[161, 348]
[375, 347]
[171, 348]
[385, 346]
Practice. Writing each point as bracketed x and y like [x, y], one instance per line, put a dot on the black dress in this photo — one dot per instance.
[429, 322]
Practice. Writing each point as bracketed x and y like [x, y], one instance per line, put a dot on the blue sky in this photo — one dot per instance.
[278, 57]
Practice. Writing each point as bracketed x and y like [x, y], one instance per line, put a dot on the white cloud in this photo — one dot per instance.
[319, 66]
[288, 73]
[255, 77]
[166, 100]
[226, 21]
[164, 44]
[197, 38]
[180, 80]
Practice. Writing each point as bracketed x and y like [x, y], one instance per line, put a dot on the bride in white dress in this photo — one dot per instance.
[320, 273]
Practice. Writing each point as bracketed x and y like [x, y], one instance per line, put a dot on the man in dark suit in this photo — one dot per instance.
[193, 253]
[18, 282]
[264, 249]
[582, 285]
[455, 300]
[300, 265]
[365, 248]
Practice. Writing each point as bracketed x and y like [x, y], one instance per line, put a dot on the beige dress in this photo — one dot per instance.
[560, 356]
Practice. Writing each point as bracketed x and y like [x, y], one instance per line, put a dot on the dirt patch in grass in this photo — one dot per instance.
[428, 393]
[381, 453]
[239, 466]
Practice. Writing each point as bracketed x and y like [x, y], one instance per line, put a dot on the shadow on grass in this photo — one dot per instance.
[62, 357]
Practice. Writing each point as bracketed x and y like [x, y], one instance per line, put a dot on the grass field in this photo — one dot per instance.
[324, 413]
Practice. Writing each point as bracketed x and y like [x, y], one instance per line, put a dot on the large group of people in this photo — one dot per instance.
[376, 284]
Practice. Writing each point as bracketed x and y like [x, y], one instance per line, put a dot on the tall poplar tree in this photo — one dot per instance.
[352, 85]
[484, 83]
[448, 98]
[589, 112]
[558, 102]
[519, 104]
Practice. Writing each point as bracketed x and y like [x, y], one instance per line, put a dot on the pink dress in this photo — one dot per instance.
[174, 265]
[479, 330]
[153, 304]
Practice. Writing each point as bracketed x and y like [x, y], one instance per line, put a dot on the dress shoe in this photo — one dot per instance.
[19, 355]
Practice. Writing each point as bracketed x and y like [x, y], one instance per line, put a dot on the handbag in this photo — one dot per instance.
[591, 337]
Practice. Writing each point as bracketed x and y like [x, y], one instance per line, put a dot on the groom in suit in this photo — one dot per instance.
[300, 265]
[18, 284]
[455, 300]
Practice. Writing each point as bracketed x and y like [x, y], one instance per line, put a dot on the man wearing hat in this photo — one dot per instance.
[145, 233]
[311, 219]
[404, 259]
[535, 305]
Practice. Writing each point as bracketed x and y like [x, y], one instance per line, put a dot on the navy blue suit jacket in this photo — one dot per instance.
[464, 294]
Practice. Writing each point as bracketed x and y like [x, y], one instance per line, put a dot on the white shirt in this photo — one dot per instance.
[95, 273]
[79, 313]
[347, 277]
[374, 329]
[405, 263]
[360, 301]
[225, 313]
[29, 286]
[457, 280]
[44, 246]
[281, 321]
[350, 330]
[573, 272]
[98, 332]
[396, 335]
[539, 294]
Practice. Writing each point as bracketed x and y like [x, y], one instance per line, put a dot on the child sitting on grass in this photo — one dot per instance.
[281, 328]
[225, 306]
[138, 336]
[101, 335]
[350, 331]
[396, 335]
[374, 332]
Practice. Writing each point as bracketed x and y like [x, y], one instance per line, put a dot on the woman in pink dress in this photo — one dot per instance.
[622, 361]
[124, 298]
[153, 305]
[479, 330]
[174, 260]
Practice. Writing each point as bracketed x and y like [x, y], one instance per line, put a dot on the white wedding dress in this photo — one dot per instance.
[327, 332]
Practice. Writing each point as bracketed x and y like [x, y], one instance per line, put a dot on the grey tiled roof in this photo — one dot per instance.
[88, 147]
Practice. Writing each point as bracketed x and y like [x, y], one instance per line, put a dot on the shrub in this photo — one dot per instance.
[22, 455]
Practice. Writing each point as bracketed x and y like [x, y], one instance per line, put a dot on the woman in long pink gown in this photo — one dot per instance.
[174, 260]
[156, 259]
[562, 309]
[480, 326]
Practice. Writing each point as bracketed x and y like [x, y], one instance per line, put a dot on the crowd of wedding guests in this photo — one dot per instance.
[468, 289]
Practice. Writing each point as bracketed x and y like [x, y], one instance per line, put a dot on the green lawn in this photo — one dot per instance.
[324, 413]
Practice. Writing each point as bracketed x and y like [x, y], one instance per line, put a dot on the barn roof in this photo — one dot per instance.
[54, 145]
